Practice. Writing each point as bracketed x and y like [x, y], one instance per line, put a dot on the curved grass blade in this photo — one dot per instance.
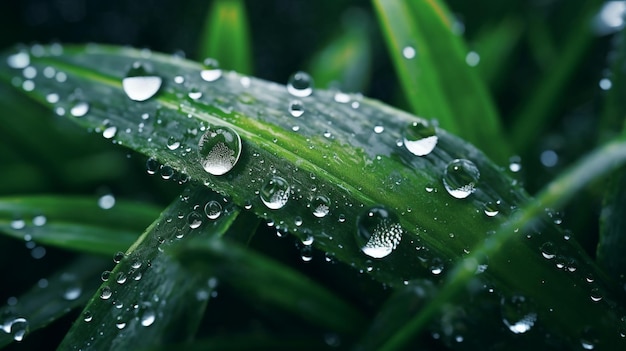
[554, 196]
[69, 288]
[345, 63]
[266, 281]
[148, 299]
[252, 341]
[226, 36]
[75, 223]
[612, 243]
[350, 158]
[431, 64]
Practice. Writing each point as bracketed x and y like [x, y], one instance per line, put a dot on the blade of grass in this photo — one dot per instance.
[345, 62]
[74, 223]
[597, 164]
[69, 288]
[226, 36]
[267, 281]
[436, 79]
[535, 113]
[149, 299]
[612, 242]
[252, 341]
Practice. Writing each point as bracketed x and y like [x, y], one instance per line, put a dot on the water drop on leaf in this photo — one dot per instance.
[378, 232]
[320, 206]
[211, 70]
[140, 84]
[296, 109]
[300, 84]
[213, 209]
[79, 109]
[460, 178]
[420, 138]
[219, 150]
[517, 314]
[275, 193]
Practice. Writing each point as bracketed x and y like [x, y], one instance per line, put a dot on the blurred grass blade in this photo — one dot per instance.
[324, 172]
[612, 243]
[430, 62]
[148, 298]
[595, 165]
[69, 288]
[266, 281]
[75, 223]
[226, 36]
[495, 45]
[535, 113]
[251, 341]
[614, 109]
[345, 63]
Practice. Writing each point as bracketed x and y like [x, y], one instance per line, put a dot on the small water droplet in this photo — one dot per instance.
[460, 178]
[300, 84]
[420, 138]
[72, 288]
[109, 132]
[378, 232]
[39, 220]
[517, 314]
[308, 240]
[152, 165]
[120, 323]
[548, 250]
[106, 202]
[342, 98]
[379, 129]
[195, 94]
[491, 209]
[147, 317]
[52, 98]
[179, 79]
[306, 253]
[320, 206]
[211, 70]
[172, 143]
[19, 60]
[87, 316]
[105, 275]
[515, 164]
[118, 257]
[275, 193]
[105, 293]
[79, 109]
[18, 224]
[121, 278]
[219, 149]
[472, 59]
[194, 219]
[139, 84]
[296, 108]
[408, 52]
[213, 209]
[596, 295]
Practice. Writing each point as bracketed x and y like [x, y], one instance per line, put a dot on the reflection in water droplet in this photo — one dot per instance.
[300, 84]
[213, 209]
[211, 70]
[517, 314]
[296, 109]
[194, 219]
[275, 193]
[320, 206]
[491, 209]
[219, 149]
[460, 178]
[420, 138]
[139, 84]
[378, 232]
[105, 293]
[79, 109]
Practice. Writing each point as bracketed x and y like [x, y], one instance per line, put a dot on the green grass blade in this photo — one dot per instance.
[149, 299]
[614, 108]
[345, 62]
[69, 288]
[226, 36]
[554, 196]
[75, 223]
[436, 80]
[539, 109]
[251, 341]
[266, 281]
[347, 153]
[612, 243]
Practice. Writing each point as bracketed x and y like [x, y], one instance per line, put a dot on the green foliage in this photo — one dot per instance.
[409, 231]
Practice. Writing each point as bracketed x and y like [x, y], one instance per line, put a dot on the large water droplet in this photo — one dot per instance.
[408, 52]
[79, 109]
[211, 70]
[300, 84]
[139, 84]
[378, 232]
[219, 149]
[275, 193]
[19, 60]
[19, 328]
[320, 206]
[147, 317]
[460, 178]
[213, 209]
[517, 314]
[105, 293]
[420, 138]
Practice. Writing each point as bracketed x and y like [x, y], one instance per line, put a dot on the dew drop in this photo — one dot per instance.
[219, 149]
[213, 209]
[420, 138]
[19, 328]
[379, 129]
[87, 316]
[105, 293]
[517, 314]
[320, 206]
[491, 209]
[172, 143]
[342, 98]
[308, 240]
[195, 94]
[19, 60]
[72, 288]
[147, 317]
[211, 70]
[105, 275]
[120, 323]
[548, 251]
[121, 278]
[408, 52]
[194, 219]
[152, 165]
[106, 202]
[296, 108]
[378, 232]
[118, 257]
[109, 132]
[139, 84]
[79, 109]
[460, 178]
[52, 98]
[275, 193]
[300, 84]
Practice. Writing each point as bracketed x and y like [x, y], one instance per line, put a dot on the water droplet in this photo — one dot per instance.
[219, 149]
[72, 288]
[548, 251]
[308, 240]
[152, 165]
[118, 257]
[179, 79]
[140, 84]
[79, 109]
[472, 59]
[300, 84]
[275, 193]
[52, 98]
[167, 172]
[379, 129]
[18, 224]
[296, 108]
[194, 219]
[195, 94]
[306, 253]
[19, 328]
[320, 206]
[491, 209]
[213, 209]
[121, 278]
[460, 178]
[408, 52]
[420, 138]
[39, 220]
[105, 293]
[172, 143]
[515, 164]
[378, 232]
[87, 316]
[596, 295]
[109, 132]
[147, 317]
[120, 323]
[211, 70]
[517, 314]
[605, 84]
[342, 98]
[105, 275]
[19, 60]
[106, 202]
